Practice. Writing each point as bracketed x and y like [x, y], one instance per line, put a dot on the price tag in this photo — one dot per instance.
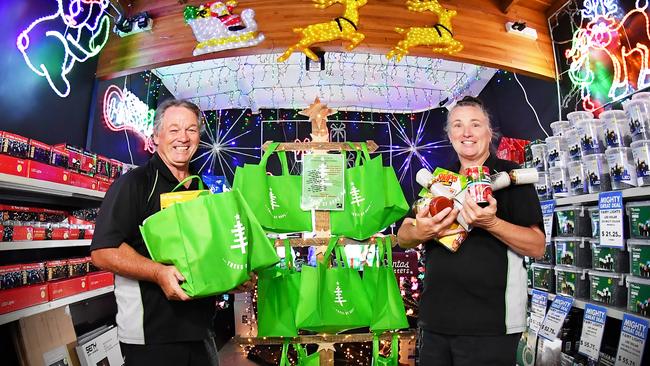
[554, 319]
[537, 309]
[593, 328]
[634, 332]
[547, 212]
[610, 207]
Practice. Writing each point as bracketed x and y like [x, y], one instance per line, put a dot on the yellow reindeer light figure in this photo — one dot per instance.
[344, 27]
[440, 35]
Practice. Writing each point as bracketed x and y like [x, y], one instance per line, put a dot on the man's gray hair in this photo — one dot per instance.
[172, 102]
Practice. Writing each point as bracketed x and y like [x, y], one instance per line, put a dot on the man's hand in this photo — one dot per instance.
[246, 286]
[435, 227]
[168, 278]
[478, 216]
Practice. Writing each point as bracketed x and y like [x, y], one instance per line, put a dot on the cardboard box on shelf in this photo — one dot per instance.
[82, 181]
[11, 276]
[100, 348]
[99, 280]
[60, 157]
[57, 269]
[103, 168]
[75, 156]
[39, 151]
[14, 166]
[64, 288]
[22, 297]
[14, 145]
[16, 232]
[103, 183]
[43, 339]
[42, 171]
[33, 273]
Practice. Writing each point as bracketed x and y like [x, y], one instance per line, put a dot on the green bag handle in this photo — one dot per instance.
[379, 253]
[388, 248]
[364, 151]
[287, 254]
[283, 359]
[394, 347]
[330, 248]
[201, 185]
[300, 350]
[281, 154]
[342, 259]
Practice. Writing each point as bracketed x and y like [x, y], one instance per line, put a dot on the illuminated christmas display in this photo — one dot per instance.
[123, 110]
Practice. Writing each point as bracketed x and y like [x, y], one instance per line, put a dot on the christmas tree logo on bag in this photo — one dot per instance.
[340, 300]
[356, 199]
[273, 200]
[273, 205]
[241, 242]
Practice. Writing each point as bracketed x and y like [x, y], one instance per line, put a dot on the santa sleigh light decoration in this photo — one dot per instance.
[216, 28]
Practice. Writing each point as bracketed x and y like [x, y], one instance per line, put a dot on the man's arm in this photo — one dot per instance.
[125, 261]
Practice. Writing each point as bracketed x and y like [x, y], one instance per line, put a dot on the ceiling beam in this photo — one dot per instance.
[555, 6]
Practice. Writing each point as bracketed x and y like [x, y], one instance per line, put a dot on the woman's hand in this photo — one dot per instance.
[434, 227]
[477, 216]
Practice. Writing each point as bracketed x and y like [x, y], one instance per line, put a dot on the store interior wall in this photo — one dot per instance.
[29, 106]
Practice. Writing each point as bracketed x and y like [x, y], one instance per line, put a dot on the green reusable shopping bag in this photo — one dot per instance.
[276, 199]
[303, 358]
[365, 199]
[379, 280]
[214, 240]
[332, 299]
[391, 360]
[277, 299]
[396, 205]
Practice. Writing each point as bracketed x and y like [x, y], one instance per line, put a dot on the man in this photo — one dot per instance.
[473, 306]
[158, 324]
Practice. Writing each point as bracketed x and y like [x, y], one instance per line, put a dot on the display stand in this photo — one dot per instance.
[321, 145]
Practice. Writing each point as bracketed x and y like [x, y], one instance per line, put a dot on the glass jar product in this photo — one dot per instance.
[577, 178]
[576, 116]
[597, 172]
[557, 151]
[616, 128]
[621, 167]
[539, 153]
[573, 144]
[558, 127]
[559, 181]
[590, 132]
[638, 111]
[641, 156]
[543, 187]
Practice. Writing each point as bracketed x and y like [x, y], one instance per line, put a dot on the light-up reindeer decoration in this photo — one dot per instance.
[344, 27]
[440, 35]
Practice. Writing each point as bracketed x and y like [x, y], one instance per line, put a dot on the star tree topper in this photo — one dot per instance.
[317, 113]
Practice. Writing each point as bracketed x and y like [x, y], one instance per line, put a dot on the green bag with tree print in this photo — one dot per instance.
[276, 199]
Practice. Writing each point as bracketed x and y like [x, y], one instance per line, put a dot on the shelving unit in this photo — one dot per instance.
[23, 184]
[41, 244]
[637, 192]
[15, 315]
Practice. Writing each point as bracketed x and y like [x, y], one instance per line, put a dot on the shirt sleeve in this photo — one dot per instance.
[524, 207]
[118, 217]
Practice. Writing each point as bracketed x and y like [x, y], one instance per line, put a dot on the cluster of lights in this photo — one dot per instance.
[605, 34]
[123, 110]
[82, 18]
[440, 35]
[214, 35]
[345, 27]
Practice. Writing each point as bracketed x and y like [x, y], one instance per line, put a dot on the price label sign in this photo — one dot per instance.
[593, 328]
[634, 332]
[610, 207]
[554, 319]
[537, 309]
[547, 212]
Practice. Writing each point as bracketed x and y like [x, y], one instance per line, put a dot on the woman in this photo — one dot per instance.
[473, 306]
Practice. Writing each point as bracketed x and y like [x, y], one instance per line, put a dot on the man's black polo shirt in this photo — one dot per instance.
[481, 289]
[145, 316]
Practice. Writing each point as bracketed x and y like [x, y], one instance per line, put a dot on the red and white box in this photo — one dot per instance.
[11, 276]
[17, 232]
[116, 168]
[38, 170]
[14, 145]
[75, 156]
[89, 163]
[82, 181]
[23, 297]
[99, 280]
[103, 167]
[57, 269]
[39, 232]
[39, 151]
[33, 273]
[77, 266]
[103, 183]
[59, 157]
[65, 288]
[13, 166]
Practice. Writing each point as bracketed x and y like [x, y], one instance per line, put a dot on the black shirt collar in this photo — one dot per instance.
[162, 168]
[490, 163]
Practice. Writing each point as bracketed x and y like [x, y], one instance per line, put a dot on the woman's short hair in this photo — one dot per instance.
[470, 101]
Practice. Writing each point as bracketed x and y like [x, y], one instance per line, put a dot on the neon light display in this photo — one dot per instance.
[85, 32]
[123, 110]
[608, 58]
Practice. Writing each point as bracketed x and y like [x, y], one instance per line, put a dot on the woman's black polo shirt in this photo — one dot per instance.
[482, 288]
[145, 316]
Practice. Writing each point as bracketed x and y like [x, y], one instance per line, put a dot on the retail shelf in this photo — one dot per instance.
[40, 244]
[23, 184]
[300, 242]
[36, 309]
[612, 312]
[321, 338]
[637, 192]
